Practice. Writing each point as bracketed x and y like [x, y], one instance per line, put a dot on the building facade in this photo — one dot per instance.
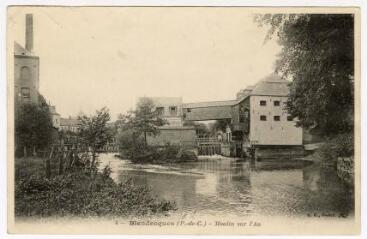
[69, 125]
[173, 132]
[169, 109]
[55, 117]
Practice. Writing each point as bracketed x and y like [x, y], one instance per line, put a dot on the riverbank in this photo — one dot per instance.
[79, 193]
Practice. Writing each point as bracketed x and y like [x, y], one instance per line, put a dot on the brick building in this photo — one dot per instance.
[26, 69]
[27, 78]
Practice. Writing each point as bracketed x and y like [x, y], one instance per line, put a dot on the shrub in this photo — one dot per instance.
[78, 194]
[130, 144]
[344, 145]
[341, 145]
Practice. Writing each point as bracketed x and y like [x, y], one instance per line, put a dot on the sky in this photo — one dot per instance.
[92, 57]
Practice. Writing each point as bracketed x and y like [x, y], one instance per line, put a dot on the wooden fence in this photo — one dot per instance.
[65, 158]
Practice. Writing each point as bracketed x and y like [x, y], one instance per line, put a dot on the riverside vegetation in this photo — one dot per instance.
[133, 130]
[81, 190]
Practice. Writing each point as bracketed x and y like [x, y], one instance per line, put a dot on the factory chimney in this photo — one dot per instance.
[29, 32]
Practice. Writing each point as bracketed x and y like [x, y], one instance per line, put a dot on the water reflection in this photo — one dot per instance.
[292, 188]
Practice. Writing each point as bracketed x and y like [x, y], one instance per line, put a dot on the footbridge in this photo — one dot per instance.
[214, 110]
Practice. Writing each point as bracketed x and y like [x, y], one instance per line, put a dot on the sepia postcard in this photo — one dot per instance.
[184, 120]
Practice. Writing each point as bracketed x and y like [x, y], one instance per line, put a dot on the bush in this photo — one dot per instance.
[165, 154]
[344, 145]
[78, 194]
[341, 145]
[130, 145]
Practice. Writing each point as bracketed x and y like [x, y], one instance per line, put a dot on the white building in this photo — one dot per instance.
[269, 121]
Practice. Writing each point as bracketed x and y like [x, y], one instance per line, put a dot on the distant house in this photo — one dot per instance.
[69, 124]
[170, 109]
[55, 117]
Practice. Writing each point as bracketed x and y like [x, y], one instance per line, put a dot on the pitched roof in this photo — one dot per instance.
[271, 85]
[209, 104]
[19, 50]
[69, 122]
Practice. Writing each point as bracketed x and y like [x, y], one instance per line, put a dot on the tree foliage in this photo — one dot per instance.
[94, 132]
[33, 127]
[131, 143]
[219, 125]
[318, 56]
[145, 120]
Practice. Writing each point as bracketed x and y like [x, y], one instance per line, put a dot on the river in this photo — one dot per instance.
[214, 186]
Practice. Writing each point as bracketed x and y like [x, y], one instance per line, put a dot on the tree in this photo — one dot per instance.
[94, 132]
[202, 130]
[131, 143]
[144, 120]
[33, 127]
[318, 56]
[219, 125]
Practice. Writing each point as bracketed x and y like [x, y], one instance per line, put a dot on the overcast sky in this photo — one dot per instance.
[95, 57]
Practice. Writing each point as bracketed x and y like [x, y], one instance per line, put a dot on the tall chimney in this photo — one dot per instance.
[29, 32]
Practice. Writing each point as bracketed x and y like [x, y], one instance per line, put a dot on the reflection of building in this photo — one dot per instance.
[26, 69]
[69, 124]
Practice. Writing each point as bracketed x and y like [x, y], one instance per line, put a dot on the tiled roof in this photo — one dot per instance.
[271, 85]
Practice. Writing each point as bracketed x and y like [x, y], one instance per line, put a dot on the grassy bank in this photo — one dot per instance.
[79, 193]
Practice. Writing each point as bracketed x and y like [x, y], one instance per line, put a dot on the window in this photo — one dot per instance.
[289, 118]
[25, 73]
[160, 110]
[25, 93]
[276, 118]
[263, 117]
[276, 103]
[188, 110]
[263, 102]
[173, 110]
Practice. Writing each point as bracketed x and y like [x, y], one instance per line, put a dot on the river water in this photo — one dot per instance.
[214, 186]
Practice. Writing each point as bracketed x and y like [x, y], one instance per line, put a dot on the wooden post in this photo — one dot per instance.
[61, 162]
[48, 163]
[48, 168]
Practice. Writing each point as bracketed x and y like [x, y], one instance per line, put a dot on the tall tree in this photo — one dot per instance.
[318, 56]
[145, 119]
[94, 131]
[33, 127]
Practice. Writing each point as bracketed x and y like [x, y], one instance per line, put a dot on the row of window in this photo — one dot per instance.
[276, 118]
[275, 102]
